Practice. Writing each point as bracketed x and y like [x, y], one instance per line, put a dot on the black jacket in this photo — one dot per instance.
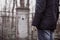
[46, 14]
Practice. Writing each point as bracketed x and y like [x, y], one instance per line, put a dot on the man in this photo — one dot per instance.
[45, 19]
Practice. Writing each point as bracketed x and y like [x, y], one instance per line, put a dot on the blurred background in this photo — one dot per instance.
[16, 18]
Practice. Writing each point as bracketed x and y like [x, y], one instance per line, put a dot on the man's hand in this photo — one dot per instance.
[34, 28]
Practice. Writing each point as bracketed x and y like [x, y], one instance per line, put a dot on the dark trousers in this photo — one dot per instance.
[45, 35]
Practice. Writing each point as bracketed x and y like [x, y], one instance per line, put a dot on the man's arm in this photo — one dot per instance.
[40, 7]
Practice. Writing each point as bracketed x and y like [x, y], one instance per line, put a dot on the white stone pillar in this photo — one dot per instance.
[23, 22]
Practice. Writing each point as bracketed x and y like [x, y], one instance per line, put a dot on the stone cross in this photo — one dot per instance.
[22, 3]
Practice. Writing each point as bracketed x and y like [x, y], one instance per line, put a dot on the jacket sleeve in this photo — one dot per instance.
[39, 9]
[57, 2]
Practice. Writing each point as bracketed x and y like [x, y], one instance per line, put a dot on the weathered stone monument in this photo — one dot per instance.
[22, 13]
